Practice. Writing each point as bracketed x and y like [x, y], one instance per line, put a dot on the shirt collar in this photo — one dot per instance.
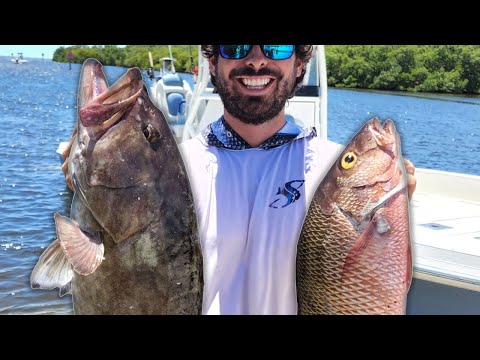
[220, 134]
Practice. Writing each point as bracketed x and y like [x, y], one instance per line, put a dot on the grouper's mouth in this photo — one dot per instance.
[107, 106]
[95, 132]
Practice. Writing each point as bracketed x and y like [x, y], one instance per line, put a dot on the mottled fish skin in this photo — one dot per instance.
[354, 251]
[131, 188]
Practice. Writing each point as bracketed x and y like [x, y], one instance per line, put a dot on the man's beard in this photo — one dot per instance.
[255, 109]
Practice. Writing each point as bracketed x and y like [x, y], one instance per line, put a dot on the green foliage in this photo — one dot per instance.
[131, 55]
[431, 68]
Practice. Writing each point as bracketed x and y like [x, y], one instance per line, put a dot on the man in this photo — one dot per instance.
[253, 174]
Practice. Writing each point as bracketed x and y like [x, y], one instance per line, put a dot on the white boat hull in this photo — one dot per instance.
[445, 217]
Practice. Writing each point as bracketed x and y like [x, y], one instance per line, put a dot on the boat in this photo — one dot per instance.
[18, 59]
[170, 93]
[444, 210]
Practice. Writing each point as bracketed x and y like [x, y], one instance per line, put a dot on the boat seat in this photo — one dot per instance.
[176, 103]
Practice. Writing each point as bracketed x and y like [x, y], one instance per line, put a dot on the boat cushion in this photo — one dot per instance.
[175, 103]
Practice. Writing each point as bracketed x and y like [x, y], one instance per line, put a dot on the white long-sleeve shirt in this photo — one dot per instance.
[251, 203]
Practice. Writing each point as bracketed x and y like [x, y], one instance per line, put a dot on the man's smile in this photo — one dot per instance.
[257, 85]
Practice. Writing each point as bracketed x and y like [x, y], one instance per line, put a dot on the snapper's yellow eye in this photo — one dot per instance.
[349, 160]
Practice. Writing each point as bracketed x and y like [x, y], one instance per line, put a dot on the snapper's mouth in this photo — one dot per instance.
[390, 181]
[387, 139]
[385, 135]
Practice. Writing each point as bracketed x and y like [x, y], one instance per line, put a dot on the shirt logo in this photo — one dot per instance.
[289, 194]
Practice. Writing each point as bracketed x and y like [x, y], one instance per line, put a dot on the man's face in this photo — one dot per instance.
[254, 89]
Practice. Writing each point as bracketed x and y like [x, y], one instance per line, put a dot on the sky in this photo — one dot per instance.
[30, 51]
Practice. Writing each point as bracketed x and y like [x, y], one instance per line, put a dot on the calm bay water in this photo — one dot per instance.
[38, 111]
[439, 132]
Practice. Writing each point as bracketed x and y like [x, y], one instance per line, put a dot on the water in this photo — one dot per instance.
[437, 131]
[38, 109]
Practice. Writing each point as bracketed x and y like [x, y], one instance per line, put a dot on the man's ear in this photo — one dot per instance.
[212, 65]
[299, 64]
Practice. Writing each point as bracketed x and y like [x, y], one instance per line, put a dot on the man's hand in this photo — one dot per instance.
[65, 155]
[411, 179]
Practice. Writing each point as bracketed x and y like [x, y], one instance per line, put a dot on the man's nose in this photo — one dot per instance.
[256, 58]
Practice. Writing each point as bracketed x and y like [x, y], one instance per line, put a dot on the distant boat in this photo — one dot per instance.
[18, 59]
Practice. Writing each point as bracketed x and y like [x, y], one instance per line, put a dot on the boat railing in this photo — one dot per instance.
[199, 95]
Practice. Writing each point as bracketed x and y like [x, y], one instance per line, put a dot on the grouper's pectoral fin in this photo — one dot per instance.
[74, 250]
[84, 250]
[52, 270]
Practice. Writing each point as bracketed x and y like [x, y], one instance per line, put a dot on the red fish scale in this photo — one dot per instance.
[371, 288]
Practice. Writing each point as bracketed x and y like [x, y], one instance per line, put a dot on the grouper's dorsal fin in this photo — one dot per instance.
[52, 270]
[83, 250]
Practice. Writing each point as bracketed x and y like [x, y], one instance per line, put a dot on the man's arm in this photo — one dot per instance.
[65, 155]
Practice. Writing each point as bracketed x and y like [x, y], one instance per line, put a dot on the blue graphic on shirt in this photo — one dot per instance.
[288, 195]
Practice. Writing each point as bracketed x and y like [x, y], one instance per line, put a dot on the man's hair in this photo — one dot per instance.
[303, 52]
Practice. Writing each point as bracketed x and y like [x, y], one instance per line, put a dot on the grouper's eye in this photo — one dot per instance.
[349, 160]
[151, 133]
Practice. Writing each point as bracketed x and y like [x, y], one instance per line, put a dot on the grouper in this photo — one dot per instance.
[130, 245]
[354, 251]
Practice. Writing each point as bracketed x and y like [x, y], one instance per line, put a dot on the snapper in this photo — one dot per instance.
[354, 251]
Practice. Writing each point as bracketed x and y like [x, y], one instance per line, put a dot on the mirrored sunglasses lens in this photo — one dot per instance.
[234, 51]
[278, 52]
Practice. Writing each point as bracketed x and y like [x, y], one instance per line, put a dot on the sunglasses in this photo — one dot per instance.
[274, 52]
